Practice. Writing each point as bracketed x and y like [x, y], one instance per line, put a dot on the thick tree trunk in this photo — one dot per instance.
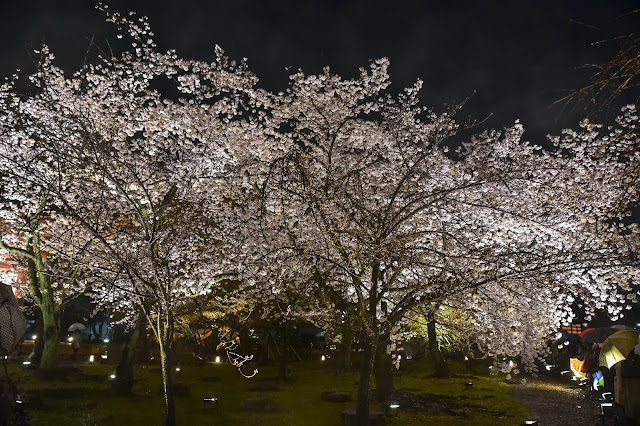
[345, 347]
[383, 371]
[51, 318]
[38, 345]
[442, 368]
[123, 383]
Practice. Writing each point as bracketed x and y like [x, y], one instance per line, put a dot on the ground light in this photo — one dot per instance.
[323, 358]
[34, 337]
[393, 409]
[70, 339]
[92, 358]
[530, 422]
[211, 402]
[218, 359]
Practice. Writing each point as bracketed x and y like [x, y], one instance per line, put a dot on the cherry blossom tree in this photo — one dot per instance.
[361, 184]
[52, 249]
[143, 172]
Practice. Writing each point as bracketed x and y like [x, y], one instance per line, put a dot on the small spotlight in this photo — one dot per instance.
[34, 337]
[218, 361]
[92, 358]
[104, 356]
[323, 358]
[177, 368]
[466, 358]
[106, 340]
[26, 363]
[70, 339]
[394, 405]
[113, 376]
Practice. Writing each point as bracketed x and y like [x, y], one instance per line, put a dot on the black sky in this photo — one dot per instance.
[517, 56]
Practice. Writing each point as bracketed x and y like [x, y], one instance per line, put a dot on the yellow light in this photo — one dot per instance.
[218, 359]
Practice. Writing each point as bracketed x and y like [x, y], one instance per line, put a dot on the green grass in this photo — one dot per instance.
[85, 399]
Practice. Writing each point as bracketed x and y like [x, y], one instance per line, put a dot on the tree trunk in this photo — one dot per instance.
[38, 345]
[345, 346]
[383, 371]
[164, 332]
[51, 318]
[123, 382]
[364, 385]
[442, 368]
[362, 405]
[284, 372]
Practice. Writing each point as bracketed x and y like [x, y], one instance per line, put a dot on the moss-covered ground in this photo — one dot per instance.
[80, 396]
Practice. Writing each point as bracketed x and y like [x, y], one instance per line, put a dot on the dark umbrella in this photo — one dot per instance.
[598, 335]
[12, 321]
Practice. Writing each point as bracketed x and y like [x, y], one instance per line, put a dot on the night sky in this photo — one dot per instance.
[517, 57]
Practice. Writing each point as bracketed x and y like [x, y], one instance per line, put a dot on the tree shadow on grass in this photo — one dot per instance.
[433, 404]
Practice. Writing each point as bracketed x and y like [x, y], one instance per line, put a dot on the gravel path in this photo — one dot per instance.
[553, 402]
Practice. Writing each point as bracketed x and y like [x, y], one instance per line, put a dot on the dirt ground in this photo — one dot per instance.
[555, 402]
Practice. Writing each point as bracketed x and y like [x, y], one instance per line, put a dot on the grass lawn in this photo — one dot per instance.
[83, 398]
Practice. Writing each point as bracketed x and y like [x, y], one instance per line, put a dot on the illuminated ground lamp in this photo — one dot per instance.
[112, 376]
[92, 358]
[323, 358]
[530, 422]
[178, 368]
[210, 402]
[34, 337]
[218, 360]
[106, 340]
[70, 339]
[104, 356]
[26, 363]
[393, 409]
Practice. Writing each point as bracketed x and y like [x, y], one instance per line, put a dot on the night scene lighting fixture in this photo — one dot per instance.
[70, 339]
[323, 358]
[177, 368]
[26, 363]
[113, 376]
[92, 358]
[34, 337]
[218, 359]
[106, 340]
[104, 356]
[530, 422]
